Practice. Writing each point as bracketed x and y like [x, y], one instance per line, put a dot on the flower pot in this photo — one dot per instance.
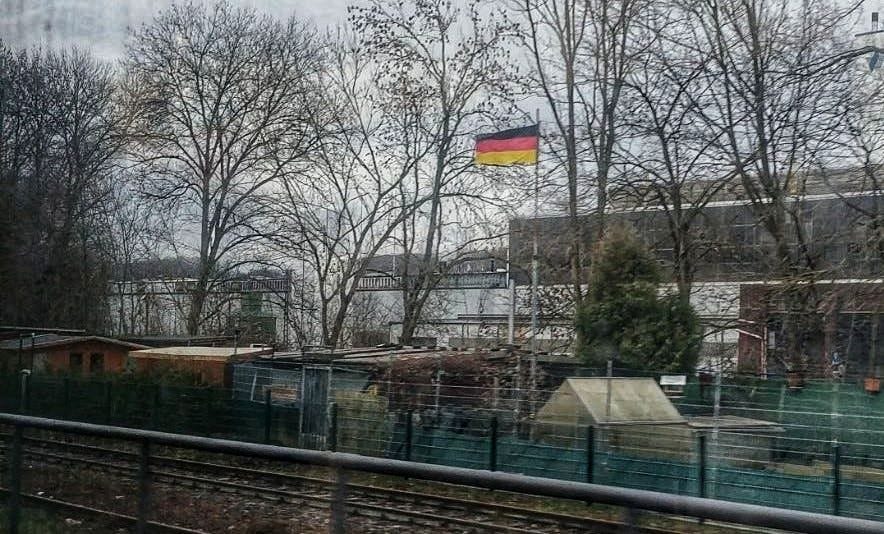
[795, 379]
[872, 385]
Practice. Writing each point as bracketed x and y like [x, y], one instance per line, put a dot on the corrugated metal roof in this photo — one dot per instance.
[13, 344]
[44, 341]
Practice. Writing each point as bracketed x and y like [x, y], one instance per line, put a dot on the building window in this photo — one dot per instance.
[96, 363]
[75, 362]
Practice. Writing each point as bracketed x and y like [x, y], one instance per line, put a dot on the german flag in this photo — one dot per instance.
[517, 146]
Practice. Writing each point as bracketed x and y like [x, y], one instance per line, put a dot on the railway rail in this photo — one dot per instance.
[372, 503]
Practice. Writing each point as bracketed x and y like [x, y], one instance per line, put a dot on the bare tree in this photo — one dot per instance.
[447, 72]
[781, 78]
[861, 156]
[219, 101]
[341, 211]
[582, 53]
[673, 163]
[58, 144]
[135, 234]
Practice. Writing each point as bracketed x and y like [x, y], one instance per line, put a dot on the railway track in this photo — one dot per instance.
[374, 504]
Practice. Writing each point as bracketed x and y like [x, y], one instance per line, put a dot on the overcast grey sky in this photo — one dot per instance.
[100, 25]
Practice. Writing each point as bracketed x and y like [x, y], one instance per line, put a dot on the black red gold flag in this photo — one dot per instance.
[516, 146]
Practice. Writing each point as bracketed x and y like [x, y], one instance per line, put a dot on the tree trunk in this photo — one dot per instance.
[334, 338]
[197, 303]
[409, 325]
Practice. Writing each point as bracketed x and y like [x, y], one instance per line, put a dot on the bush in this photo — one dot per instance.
[624, 317]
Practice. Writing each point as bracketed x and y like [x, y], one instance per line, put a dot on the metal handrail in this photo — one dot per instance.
[729, 512]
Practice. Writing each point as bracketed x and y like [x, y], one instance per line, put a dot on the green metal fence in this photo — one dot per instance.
[826, 460]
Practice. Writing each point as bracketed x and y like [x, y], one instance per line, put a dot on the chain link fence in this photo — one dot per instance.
[816, 448]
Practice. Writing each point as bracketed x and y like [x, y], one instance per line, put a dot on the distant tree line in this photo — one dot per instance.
[59, 156]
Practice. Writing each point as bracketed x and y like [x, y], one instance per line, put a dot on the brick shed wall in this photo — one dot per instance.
[57, 359]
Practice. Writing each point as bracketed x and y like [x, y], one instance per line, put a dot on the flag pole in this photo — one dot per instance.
[535, 269]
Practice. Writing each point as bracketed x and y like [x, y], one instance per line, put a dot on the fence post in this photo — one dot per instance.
[143, 487]
[409, 433]
[268, 416]
[108, 402]
[333, 427]
[492, 452]
[338, 521]
[24, 400]
[701, 465]
[590, 454]
[67, 398]
[15, 458]
[836, 478]
[155, 407]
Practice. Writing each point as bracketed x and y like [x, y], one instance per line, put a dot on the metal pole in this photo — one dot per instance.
[155, 407]
[492, 452]
[716, 419]
[630, 519]
[437, 395]
[268, 415]
[518, 393]
[143, 487]
[701, 465]
[610, 374]
[409, 432]
[495, 393]
[511, 320]
[15, 458]
[836, 478]
[836, 421]
[24, 398]
[873, 346]
[764, 352]
[338, 523]
[332, 441]
[108, 402]
[590, 454]
[285, 308]
[67, 398]
[535, 273]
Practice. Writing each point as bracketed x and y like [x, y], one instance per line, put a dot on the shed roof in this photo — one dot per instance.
[178, 341]
[632, 400]
[44, 341]
[199, 353]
